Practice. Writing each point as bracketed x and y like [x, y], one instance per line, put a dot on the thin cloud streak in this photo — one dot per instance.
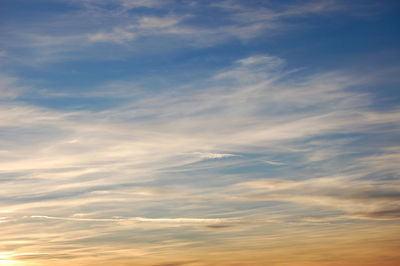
[122, 27]
[139, 219]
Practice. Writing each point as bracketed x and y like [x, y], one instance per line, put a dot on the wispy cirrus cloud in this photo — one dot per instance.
[119, 24]
[131, 130]
[9, 89]
[77, 151]
[357, 198]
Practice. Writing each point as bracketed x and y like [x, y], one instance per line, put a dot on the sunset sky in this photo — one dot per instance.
[199, 132]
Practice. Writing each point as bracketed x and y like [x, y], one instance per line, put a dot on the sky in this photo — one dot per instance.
[199, 132]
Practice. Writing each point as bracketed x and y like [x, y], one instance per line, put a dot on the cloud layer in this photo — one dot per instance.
[248, 158]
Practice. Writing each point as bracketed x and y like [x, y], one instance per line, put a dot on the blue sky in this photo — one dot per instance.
[149, 132]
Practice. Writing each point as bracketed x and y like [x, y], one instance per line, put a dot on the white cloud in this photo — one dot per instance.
[140, 219]
[146, 158]
[214, 155]
[156, 22]
[129, 4]
[274, 163]
[118, 35]
[8, 87]
[125, 26]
